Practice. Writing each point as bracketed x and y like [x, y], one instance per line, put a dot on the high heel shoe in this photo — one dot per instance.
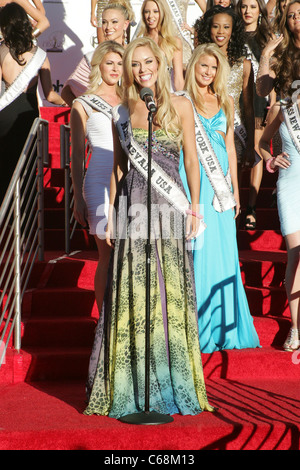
[292, 342]
[251, 212]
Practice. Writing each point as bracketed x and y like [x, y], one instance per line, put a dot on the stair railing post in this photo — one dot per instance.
[17, 266]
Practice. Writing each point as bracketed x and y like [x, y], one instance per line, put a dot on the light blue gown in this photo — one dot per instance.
[288, 187]
[224, 318]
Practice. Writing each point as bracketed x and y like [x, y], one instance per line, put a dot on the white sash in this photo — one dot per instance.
[97, 103]
[160, 180]
[221, 184]
[239, 129]
[176, 13]
[23, 79]
[292, 120]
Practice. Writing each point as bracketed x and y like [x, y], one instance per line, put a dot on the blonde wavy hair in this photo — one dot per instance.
[166, 30]
[166, 116]
[219, 85]
[97, 58]
[127, 9]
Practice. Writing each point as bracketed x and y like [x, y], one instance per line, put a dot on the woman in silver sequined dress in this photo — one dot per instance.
[223, 27]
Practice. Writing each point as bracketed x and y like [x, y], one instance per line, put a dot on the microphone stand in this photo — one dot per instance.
[147, 416]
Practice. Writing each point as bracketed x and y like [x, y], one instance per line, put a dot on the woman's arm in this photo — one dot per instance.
[275, 118]
[46, 82]
[248, 109]
[178, 67]
[202, 5]
[93, 13]
[78, 129]
[191, 162]
[42, 22]
[232, 160]
[265, 75]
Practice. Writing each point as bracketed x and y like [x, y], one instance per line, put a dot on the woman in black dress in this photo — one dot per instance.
[21, 65]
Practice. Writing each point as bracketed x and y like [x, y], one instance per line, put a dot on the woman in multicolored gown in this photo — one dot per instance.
[116, 375]
[224, 318]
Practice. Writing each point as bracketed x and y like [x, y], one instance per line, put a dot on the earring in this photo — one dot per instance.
[259, 19]
[100, 81]
[125, 37]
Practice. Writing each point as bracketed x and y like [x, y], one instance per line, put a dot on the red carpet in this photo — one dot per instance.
[42, 389]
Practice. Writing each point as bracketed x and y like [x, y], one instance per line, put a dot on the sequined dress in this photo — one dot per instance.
[235, 87]
[116, 382]
[224, 318]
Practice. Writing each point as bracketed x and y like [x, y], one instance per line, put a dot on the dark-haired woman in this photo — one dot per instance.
[21, 64]
[255, 17]
[223, 27]
[36, 12]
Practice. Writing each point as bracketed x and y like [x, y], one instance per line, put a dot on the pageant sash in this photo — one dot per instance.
[160, 180]
[97, 103]
[139, 158]
[221, 184]
[240, 130]
[292, 120]
[176, 13]
[23, 79]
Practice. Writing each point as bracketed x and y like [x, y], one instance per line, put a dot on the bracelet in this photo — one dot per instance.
[36, 33]
[195, 214]
[268, 165]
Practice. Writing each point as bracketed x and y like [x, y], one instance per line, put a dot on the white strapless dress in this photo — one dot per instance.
[97, 179]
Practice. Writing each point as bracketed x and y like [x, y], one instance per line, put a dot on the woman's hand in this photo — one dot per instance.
[237, 208]
[109, 234]
[94, 20]
[281, 161]
[269, 49]
[80, 211]
[192, 226]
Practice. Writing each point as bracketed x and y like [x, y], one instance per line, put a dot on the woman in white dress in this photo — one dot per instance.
[91, 118]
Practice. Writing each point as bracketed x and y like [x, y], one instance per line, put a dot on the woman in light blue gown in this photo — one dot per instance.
[224, 318]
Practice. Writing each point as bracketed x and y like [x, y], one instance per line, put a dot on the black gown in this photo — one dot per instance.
[16, 120]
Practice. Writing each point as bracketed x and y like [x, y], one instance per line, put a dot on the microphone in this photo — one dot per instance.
[146, 94]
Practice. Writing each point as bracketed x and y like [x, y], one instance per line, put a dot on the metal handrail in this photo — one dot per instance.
[21, 232]
[65, 160]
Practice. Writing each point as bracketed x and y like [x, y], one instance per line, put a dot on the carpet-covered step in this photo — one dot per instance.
[54, 217]
[54, 197]
[54, 177]
[260, 240]
[251, 415]
[66, 363]
[265, 198]
[267, 301]
[266, 218]
[53, 332]
[263, 268]
[63, 302]
[244, 364]
[55, 114]
[269, 180]
[55, 240]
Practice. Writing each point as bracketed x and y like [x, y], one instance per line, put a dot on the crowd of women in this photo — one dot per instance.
[224, 89]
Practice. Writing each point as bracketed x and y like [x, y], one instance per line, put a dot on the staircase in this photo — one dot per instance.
[60, 314]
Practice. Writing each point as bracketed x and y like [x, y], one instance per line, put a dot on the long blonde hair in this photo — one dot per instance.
[98, 56]
[166, 30]
[219, 85]
[166, 116]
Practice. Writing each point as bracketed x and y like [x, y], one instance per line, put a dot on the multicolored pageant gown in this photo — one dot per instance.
[224, 318]
[116, 384]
